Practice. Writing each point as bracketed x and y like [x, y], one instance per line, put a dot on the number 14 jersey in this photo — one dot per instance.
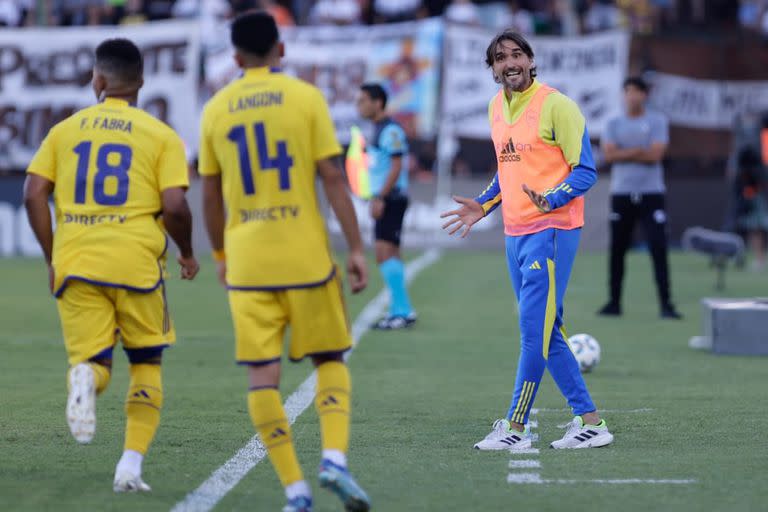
[109, 164]
[264, 133]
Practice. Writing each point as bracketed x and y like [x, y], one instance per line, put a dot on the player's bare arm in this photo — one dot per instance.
[377, 203]
[335, 186]
[178, 223]
[37, 190]
[465, 217]
[213, 211]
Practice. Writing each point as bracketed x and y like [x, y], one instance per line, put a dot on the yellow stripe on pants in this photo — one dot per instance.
[522, 404]
[551, 311]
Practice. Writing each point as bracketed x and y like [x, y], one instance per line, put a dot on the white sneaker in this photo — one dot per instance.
[81, 403]
[580, 435]
[502, 437]
[392, 323]
[127, 482]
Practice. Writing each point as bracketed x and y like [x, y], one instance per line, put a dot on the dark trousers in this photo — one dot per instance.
[626, 210]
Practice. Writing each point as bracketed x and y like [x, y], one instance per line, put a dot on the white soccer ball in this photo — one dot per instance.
[587, 351]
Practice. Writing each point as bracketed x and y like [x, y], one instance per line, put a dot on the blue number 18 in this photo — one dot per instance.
[104, 170]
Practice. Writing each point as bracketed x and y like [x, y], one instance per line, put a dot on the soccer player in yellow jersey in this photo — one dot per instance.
[265, 138]
[114, 172]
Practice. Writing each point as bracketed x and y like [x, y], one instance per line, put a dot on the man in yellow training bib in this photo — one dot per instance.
[115, 173]
[265, 138]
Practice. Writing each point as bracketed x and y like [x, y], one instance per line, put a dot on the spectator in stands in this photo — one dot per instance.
[639, 15]
[750, 188]
[569, 20]
[601, 15]
[391, 11]
[280, 13]
[335, 12]
[155, 10]
[134, 13]
[517, 17]
[13, 13]
[211, 13]
[557, 18]
[463, 12]
[112, 12]
[77, 12]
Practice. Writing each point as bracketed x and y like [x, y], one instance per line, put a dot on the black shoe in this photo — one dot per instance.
[610, 309]
[669, 311]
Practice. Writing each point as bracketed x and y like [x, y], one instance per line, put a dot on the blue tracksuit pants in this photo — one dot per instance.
[539, 267]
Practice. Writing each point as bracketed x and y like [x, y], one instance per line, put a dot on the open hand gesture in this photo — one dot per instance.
[466, 216]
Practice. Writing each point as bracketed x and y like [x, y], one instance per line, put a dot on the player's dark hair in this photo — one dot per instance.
[376, 92]
[121, 59]
[255, 32]
[515, 37]
[637, 82]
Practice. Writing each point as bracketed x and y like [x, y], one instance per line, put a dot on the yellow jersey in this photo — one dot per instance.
[264, 133]
[109, 164]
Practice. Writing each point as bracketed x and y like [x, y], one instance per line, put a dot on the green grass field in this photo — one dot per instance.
[421, 399]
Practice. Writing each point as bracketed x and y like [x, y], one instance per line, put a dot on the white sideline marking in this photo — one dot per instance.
[535, 478]
[221, 481]
[524, 464]
[525, 451]
[524, 478]
[614, 411]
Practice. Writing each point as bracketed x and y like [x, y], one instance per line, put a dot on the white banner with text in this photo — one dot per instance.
[42, 84]
[588, 69]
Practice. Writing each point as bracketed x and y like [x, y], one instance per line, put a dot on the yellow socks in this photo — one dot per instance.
[142, 406]
[332, 404]
[269, 418]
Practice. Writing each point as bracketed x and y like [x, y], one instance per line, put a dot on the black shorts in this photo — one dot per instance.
[389, 226]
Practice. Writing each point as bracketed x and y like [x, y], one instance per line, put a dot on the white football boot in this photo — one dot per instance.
[580, 435]
[502, 437]
[81, 403]
[128, 482]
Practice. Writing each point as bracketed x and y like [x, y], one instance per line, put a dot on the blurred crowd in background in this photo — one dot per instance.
[545, 17]
[745, 169]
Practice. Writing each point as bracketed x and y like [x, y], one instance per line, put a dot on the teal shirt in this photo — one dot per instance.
[388, 141]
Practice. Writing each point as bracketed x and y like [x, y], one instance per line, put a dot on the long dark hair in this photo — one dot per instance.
[515, 37]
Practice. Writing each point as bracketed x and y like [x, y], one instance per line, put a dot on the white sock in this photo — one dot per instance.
[130, 462]
[337, 457]
[300, 488]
